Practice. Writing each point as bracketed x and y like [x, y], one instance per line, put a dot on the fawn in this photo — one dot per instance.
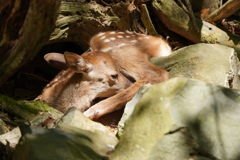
[117, 67]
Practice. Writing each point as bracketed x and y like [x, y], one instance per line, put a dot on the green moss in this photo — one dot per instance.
[35, 106]
[22, 109]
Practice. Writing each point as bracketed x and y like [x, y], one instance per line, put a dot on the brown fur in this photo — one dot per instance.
[134, 62]
[124, 53]
[80, 87]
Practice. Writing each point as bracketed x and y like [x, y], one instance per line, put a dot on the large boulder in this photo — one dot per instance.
[212, 63]
[183, 119]
[74, 117]
[65, 142]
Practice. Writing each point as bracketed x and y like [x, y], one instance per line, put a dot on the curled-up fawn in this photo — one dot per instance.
[117, 67]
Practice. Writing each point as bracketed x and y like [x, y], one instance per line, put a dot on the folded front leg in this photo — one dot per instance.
[115, 102]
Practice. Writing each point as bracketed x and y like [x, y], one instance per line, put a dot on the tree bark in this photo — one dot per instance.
[25, 27]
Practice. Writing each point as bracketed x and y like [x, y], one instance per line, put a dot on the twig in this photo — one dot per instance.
[224, 11]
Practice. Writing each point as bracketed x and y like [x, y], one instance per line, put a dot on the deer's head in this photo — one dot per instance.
[84, 78]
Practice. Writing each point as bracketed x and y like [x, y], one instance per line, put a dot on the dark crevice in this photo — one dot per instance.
[203, 154]
[177, 130]
[230, 82]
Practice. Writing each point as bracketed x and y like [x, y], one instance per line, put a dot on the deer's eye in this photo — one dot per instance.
[115, 76]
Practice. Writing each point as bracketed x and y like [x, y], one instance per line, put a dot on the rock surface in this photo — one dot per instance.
[11, 137]
[65, 142]
[3, 127]
[212, 63]
[183, 119]
[130, 107]
[75, 117]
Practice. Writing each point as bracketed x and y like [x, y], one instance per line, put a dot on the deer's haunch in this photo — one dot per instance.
[117, 59]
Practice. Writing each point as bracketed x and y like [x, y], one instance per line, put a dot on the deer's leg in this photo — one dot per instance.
[115, 102]
[152, 75]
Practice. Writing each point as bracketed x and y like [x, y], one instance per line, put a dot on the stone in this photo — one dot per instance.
[212, 63]
[130, 107]
[3, 127]
[76, 118]
[183, 119]
[12, 137]
[64, 142]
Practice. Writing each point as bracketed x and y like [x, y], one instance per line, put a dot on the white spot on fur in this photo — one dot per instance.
[55, 80]
[146, 37]
[127, 36]
[129, 32]
[139, 38]
[121, 33]
[122, 44]
[106, 40]
[69, 76]
[103, 37]
[134, 41]
[112, 38]
[106, 49]
[119, 36]
[100, 34]
[112, 32]
[53, 85]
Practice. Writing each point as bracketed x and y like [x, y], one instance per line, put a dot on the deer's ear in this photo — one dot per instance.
[77, 63]
[56, 60]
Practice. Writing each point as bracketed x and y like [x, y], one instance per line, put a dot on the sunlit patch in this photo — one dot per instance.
[165, 50]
